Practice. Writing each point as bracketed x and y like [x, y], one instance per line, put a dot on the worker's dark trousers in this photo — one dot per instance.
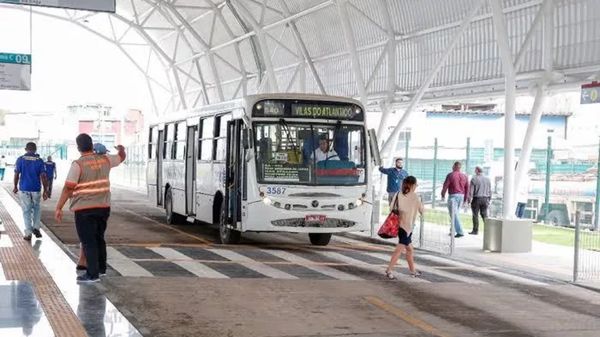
[479, 205]
[91, 225]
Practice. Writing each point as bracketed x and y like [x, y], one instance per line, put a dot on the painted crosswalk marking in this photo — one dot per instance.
[331, 272]
[490, 272]
[188, 263]
[434, 271]
[124, 265]
[249, 263]
[368, 266]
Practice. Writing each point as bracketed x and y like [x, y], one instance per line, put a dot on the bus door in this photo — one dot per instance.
[159, 165]
[190, 169]
[234, 172]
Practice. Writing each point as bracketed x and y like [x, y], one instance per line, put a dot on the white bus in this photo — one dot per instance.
[253, 165]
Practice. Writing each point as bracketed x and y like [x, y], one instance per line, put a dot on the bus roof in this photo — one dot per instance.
[246, 101]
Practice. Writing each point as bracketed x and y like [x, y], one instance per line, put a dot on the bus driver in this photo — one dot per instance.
[324, 152]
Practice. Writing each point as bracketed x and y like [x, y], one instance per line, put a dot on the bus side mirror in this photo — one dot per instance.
[375, 155]
[245, 139]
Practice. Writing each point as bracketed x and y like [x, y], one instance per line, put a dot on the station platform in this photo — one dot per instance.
[38, 292]
[178, 281]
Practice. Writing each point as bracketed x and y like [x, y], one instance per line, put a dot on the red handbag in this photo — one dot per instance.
[389, 229]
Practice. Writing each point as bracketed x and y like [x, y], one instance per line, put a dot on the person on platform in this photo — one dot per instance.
[395, 176]
[480, 194]
[30, 177]
[88, 187]
[407, 205]
[50, 174]
[457, 186]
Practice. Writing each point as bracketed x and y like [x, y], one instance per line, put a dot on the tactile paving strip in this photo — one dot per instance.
[20, 263]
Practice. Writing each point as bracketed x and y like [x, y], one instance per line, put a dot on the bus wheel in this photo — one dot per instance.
[227, 235]
[319, 239]
[172, 218]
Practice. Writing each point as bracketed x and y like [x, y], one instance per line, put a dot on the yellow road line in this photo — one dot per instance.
[166, 226]
[403, 315]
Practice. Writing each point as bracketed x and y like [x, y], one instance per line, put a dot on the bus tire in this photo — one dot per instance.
[172, 218]
[227, 235]
[319, 239]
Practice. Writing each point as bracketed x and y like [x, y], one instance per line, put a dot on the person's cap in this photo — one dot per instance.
[100, 149]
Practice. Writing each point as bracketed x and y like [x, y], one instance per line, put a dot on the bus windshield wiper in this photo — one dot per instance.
[288, 135]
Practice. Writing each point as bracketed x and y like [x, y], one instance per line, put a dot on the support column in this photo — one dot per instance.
[352, 50]
[467, 166]
[597, 208]
[433, 189]
[546, 12]
[509, 109]
[392, 140]
[406, 147]
[548, 174]
[534, 121]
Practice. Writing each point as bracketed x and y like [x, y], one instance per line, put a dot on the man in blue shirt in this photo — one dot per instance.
[395, 177]
[30, 175]
[50, 174]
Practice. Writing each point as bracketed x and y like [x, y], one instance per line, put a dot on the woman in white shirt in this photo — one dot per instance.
[407, 204]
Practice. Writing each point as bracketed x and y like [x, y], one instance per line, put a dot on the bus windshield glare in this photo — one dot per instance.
[310, 153]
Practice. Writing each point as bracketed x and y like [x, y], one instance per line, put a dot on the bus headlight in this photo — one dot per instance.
[267, 201]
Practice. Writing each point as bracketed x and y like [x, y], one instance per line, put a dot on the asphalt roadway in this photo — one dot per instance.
[178, 281]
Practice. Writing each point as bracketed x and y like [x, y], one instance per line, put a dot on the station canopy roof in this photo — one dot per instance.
[197, 52]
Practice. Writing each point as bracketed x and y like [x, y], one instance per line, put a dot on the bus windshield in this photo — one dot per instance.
[310, 153]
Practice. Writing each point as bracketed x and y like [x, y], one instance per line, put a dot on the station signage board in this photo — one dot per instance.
[590, 93]
[15, 71]
[86, 5]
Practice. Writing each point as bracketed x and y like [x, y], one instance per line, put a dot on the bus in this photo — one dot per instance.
[266, 163]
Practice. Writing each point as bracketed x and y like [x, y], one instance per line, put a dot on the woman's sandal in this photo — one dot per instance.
[390, 275]
[415, 273]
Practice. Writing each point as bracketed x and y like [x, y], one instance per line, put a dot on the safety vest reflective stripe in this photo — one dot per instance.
[93, 184]
[92, 191]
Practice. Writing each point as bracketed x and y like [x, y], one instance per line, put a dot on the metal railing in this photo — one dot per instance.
[586, 257]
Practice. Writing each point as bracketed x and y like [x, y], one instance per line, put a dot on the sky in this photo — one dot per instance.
[69, 66]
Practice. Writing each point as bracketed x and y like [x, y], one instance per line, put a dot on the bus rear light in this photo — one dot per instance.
[341, 207]
[288, 206]
[277, 204]
[351, 206]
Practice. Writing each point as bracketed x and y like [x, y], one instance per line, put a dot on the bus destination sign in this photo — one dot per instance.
[308, 110]
[325, 111]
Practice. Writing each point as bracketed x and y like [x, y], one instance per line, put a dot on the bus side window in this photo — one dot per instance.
[151, 141]
[180, 140]
[167, 135]
[219, 150]
[206, 138]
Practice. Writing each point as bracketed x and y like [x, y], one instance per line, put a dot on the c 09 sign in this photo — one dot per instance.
[15, 58]
[15, 71]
